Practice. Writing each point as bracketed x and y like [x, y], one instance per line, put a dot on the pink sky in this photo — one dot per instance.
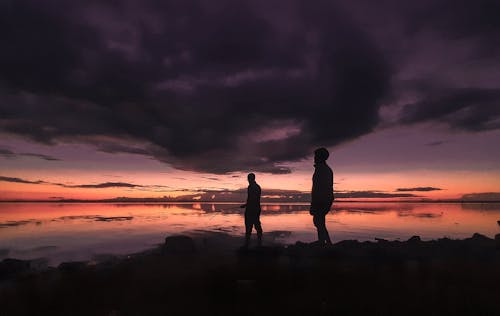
[382, 161]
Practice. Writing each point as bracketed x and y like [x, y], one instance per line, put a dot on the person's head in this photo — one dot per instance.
[251, 177]
[321, 155]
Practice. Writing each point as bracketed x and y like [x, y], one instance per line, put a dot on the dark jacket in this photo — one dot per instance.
[322, 189]
[253, 199]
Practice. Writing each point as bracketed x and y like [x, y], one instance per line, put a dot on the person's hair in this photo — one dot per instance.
[251, 177]
[321, 154]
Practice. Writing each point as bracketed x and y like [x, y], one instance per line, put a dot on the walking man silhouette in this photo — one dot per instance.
[321, 194]
[252, 210]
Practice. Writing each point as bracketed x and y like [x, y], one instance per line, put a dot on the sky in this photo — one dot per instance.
[184, 98]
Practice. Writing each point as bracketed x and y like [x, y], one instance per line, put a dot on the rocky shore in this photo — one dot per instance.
[208, 274]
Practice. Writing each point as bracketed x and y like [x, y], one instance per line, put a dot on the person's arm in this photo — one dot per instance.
[313, 193]
[248, 196]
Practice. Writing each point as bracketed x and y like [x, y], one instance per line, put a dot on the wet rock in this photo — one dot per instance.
[478, 240]
[39, 264]
[179, 244]
[347, 243]
[105, 259]
[10, 267]
[479, 237]
[414, 239]
[73, 266]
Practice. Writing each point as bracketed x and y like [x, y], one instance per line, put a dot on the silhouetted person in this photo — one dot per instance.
[252, 210]
[321, 194]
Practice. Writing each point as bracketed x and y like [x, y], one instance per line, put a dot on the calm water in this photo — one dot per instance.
[65, 232]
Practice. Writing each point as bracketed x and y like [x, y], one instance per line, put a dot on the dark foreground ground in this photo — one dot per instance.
[207, 275]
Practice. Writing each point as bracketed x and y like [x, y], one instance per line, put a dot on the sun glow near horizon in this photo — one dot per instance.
[427, 184]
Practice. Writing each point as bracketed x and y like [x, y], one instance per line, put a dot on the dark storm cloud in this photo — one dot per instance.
[460, 19]
[212, 178]
[437, 143]
[372, 194]
[195, 82]
[483, 196]
[222, 86]
[40, 156]
[10, 154]
[6, 153]
[470, 109]
[82, 186]
[113, 148]
[462, 92]
[418, 189]
[104, 185]
[19, 180]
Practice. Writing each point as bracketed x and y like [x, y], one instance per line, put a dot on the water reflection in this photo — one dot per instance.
[65, 232]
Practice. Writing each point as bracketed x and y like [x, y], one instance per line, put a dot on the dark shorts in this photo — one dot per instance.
[252, 218]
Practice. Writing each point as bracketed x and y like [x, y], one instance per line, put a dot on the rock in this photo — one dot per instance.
[105, 259]
[39, 264]
[10, 267]
[414, 239]
[480, 237]
[73, 266]
[179, 244]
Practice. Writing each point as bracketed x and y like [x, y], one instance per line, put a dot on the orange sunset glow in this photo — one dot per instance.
[222, 157]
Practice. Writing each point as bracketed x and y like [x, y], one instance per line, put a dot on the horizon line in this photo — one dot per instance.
[163, 200]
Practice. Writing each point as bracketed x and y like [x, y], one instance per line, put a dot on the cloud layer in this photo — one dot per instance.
[6, 153]
[418, 189]
[223, 86]
[198, 84]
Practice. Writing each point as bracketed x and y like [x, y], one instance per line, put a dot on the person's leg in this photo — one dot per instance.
[318, 221]
[326, 236]
[248, 230]
[258, 228]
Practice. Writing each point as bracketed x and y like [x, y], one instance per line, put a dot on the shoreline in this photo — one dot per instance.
[210, 274]
[220, 243]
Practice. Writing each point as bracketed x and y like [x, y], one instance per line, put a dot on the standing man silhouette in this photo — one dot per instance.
[321, 194]
[252, 210]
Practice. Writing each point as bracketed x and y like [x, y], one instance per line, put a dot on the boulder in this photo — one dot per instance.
[73, 266]
[10, 267]
[480, 237]
[414, 239]
[39, 264]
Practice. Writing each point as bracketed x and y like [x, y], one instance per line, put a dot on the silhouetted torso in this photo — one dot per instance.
[253, 199]
[322, 190]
